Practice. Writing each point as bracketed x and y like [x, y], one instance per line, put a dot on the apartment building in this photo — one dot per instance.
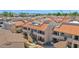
[36, 31]
[40, 31]
[67, 32]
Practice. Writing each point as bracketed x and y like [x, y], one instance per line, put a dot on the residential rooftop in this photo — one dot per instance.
[37, 24]
[41, 27]
[20, 23]
[69, 29]
[60, 19]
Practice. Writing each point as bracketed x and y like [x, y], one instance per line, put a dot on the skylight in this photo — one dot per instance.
[36, 23]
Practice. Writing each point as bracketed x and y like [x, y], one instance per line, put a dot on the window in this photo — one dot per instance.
[1, 22]
[28, 28]
[75, 46]
[32, 30]
[54, 40]
[41, 39]
[41, 32]
[76, 37]
[69, 45]
[65, 38]
[62, 34]
[35, 30]
[56, 33]
[25, 34]
[25, 28]
[68, 36]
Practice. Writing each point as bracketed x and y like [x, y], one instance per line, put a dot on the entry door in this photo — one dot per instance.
[75, 46]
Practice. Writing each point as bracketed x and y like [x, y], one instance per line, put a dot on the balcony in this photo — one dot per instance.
[24, 30]
[58, 37]
[36, 33]
[39, 42]
[73, 41]
[69, 39]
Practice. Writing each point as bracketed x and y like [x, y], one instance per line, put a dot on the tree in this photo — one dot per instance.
[11, 14]
[58, 14]
[49, 14]
[5, 14]
[22, 14]
[75, 13]
[8, 14]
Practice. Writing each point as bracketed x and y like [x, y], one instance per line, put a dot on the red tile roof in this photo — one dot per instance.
[41, 27]
[60, 19]
[70, 29]
[20, 23]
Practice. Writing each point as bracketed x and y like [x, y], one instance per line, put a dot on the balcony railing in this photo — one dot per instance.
[24, 30]
[38, 34]
[58, 37]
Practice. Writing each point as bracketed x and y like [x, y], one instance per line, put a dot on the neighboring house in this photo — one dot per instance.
[60, 19]
[13, 26]
[7, 25]
[18, 26]
[67, 32]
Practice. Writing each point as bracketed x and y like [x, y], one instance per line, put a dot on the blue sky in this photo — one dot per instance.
[40, 11]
